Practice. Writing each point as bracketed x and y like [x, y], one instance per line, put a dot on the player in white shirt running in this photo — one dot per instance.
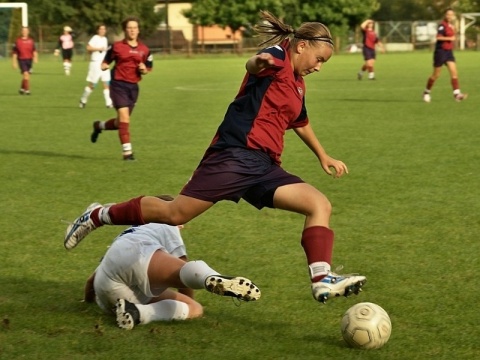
[97, 46]
[134, 278]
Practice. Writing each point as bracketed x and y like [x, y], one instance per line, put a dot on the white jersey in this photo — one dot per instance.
[122, 273]
[99, 42]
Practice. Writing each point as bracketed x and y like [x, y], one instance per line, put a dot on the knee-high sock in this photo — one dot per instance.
[317, 242]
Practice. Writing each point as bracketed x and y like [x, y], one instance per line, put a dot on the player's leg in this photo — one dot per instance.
[452, 69]
[317, 239]
[137, 211]
[370, 68]
[105, 78]
[87, 91]
[123, 116]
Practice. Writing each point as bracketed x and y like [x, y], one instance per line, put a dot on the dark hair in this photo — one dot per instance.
[278, 31]
[100, 25]
[128, 19]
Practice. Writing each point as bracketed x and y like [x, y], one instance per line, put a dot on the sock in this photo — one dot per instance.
[164, 310]
[371, 75]
[126, 149]
[123, 132]
[194, 273]
[430, 83]
[106, 96]
[110, 124]
[455, 86]
[126, 213]
[26, 85]
[317, 242]
[86, 93]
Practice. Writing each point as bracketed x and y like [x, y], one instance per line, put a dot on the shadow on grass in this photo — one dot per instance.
[44, 153]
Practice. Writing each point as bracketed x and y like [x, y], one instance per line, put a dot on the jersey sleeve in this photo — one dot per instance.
[279, 56]
[302, 119]
[109, 55]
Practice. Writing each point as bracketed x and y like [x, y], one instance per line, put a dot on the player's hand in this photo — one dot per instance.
[142, 68]
[264, 60]
[329, 163]
[104, 66]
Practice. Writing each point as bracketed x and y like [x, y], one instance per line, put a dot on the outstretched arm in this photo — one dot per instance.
[308, 136]
[364, 24]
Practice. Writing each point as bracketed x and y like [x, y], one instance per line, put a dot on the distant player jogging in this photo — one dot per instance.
[132, 61]
[135, 277]
[24, 53]
[65, 48]
[97, 47]
[370, 41]
[243, 159]
[443, 55]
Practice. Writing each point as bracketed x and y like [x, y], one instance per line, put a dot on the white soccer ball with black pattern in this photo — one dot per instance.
[366, 326]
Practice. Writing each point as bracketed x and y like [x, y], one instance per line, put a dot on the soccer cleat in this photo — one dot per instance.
[82, 105]
[81, 227]
[459, 97]
[426, 97]
[237, 287]
[127, 314]
[27, 92]
[359, 76]
[129, 157]
[21, 92]
[337, 285]
[96, 131]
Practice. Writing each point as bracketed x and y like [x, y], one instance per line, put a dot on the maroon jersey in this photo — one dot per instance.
[267, 104]
[24, 48]
[445, 29]
[127, 58]
[369, 38]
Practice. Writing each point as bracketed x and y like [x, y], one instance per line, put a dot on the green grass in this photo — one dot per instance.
[406, 216]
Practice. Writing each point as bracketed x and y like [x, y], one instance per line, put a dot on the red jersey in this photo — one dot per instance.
[267, 104]
[127, 58]
[369, 38]
[24, 48]
[445, 29]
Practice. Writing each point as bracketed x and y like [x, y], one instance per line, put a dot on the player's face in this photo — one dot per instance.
[25, 32]
[450, 16]
[310, 58]
[132, 30]
[102, 30]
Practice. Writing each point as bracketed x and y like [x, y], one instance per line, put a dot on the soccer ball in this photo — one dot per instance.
[366, 326]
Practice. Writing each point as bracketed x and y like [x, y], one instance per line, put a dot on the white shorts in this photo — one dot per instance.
[123, 273]
[95, 73]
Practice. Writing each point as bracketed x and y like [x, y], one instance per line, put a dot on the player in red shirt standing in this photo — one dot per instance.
[132, 60]
[370, 40]
[23, 54]
[243, 160]
[443, 55]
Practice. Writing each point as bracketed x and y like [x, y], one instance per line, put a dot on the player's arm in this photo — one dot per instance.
[364, 24]
[308, 136]
[14, 58]
[259, 62]
[107, 60]
[89, 289]
[146, 67]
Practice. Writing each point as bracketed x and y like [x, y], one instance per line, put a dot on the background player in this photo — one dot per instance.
[23, 54]
[65, 45]
[132, 60]
[97, 47]
[443, 55]
[370, 40]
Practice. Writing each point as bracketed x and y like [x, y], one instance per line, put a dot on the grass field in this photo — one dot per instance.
[406, 216]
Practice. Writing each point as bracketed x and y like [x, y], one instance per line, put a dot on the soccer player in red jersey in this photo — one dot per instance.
[243, 159]
[132, 60]
[443, 55]
[23, 54]
[370, 40]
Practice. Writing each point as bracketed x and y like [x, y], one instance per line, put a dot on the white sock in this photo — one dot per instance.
[456, 91]
[164, 310]
[371, 75]
[106, 95]
[86, 93]
[194, 273]
[127, 148]
[104, 216]
[319, 268]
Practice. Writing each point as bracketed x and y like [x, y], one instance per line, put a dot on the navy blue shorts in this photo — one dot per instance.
[368, 53]
[25, 65]
[237, 173]
[441, 57]
[123, 94]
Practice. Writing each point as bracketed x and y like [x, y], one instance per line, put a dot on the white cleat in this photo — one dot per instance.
[127, 314]
[426, 97]
[337, 285]
[81, 227]
[237, 287]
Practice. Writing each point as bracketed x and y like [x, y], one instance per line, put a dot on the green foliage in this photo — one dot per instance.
[406, 215]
